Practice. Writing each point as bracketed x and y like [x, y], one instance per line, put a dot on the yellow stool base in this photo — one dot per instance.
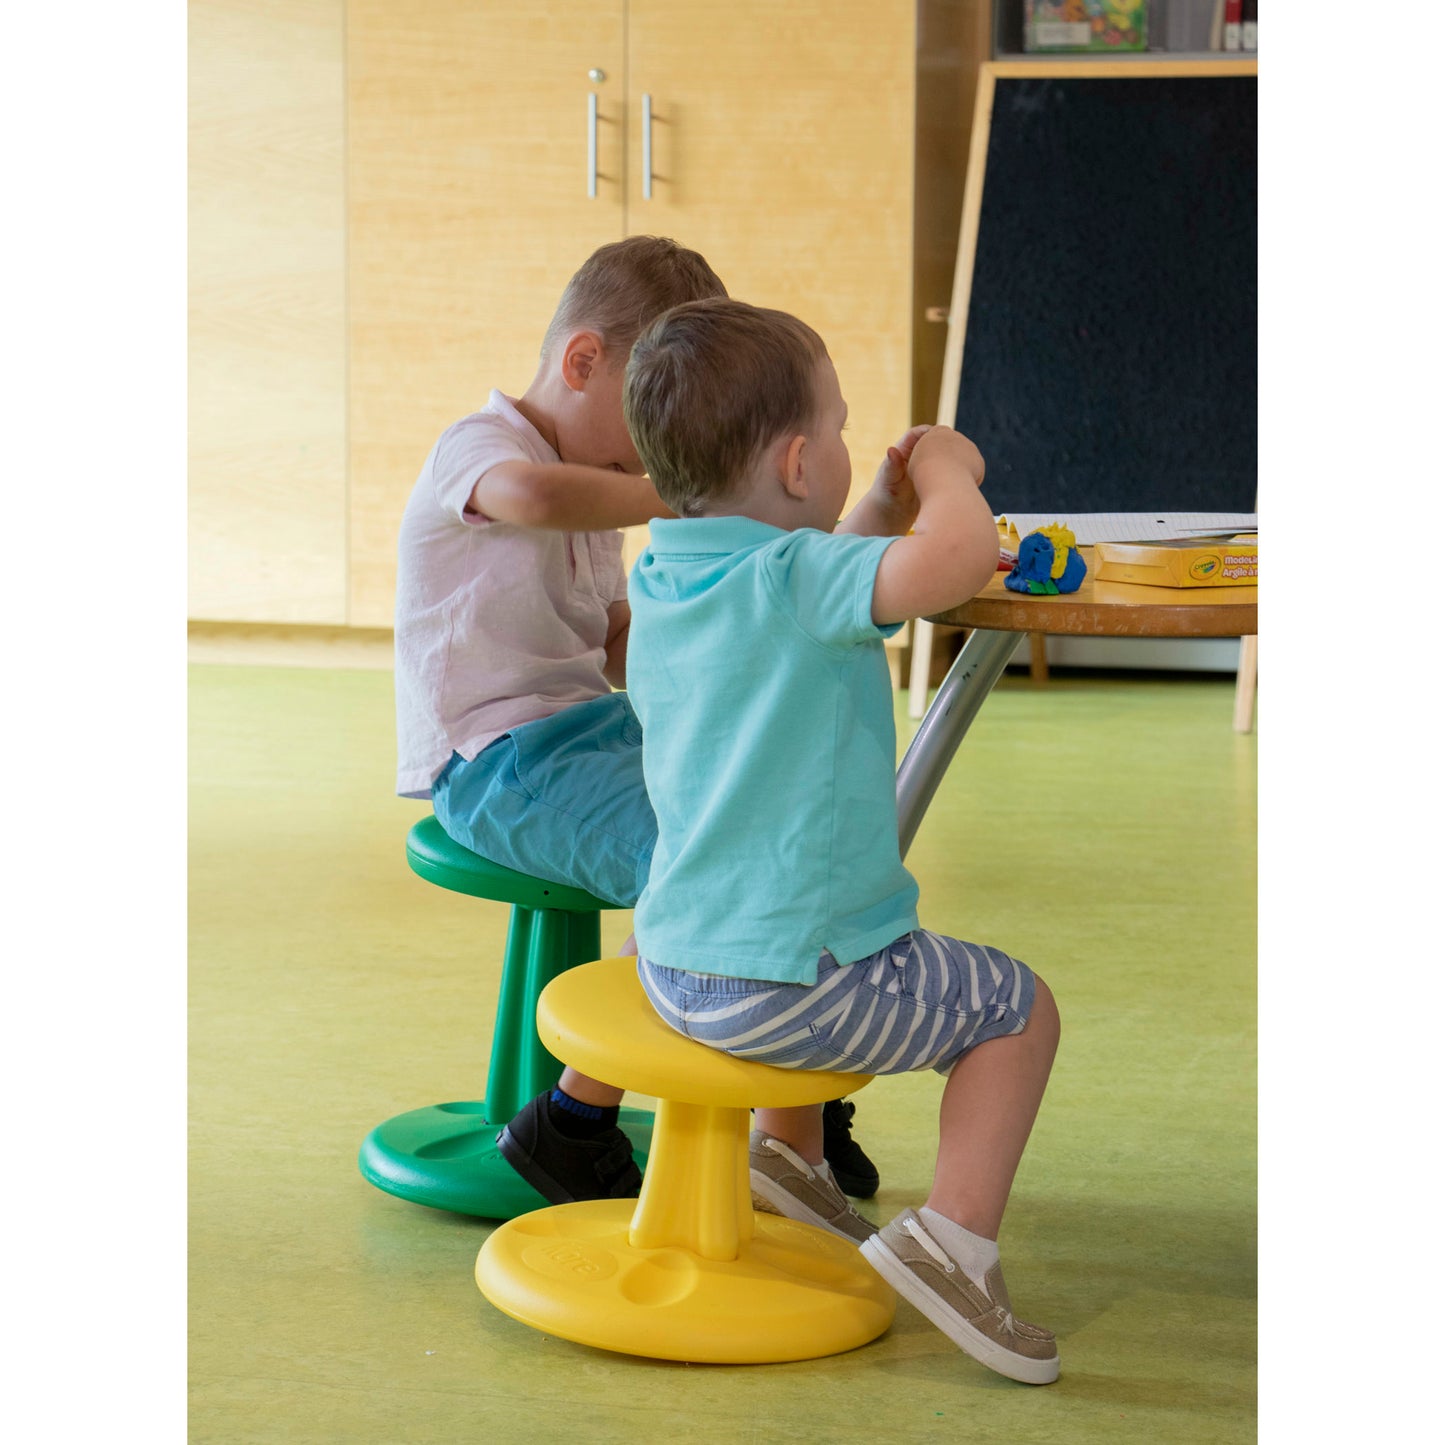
[793, 1293]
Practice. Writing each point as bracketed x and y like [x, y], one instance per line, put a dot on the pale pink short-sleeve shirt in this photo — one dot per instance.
[496, 624]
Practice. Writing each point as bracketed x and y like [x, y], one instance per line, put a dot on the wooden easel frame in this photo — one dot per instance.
[989, 74]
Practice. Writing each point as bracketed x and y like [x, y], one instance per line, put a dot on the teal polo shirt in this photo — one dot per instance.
[769, 752]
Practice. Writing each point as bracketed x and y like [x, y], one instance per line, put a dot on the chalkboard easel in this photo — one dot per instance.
[1102, 339]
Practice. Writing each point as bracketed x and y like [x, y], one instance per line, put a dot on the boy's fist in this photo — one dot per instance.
[894, 485]
[940, 450]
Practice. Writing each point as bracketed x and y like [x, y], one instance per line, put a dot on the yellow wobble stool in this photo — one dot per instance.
[688, 1271]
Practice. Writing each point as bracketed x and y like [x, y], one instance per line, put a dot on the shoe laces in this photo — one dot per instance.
[796, 1160]
[927, 1241]
[1004, 1315]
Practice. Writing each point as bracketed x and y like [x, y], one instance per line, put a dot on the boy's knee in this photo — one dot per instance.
[1044, 1014]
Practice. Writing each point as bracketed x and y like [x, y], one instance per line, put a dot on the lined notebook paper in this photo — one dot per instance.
[1090, 527]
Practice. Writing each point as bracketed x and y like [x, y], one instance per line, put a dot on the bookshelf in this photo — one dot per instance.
[1177, 30]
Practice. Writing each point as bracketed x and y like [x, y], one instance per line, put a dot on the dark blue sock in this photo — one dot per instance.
[576, 1119]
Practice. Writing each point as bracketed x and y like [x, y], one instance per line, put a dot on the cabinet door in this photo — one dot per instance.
[267, 283]
[468, 210]
[782, 149]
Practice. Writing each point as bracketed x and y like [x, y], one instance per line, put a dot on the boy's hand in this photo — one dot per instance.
[890, 506]
[952, 551]
[894, 487]
[944, 456]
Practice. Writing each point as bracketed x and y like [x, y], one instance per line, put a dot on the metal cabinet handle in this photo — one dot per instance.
[646, 147]
[592, 145]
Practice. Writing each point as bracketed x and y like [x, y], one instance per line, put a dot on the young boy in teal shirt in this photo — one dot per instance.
[778, 922]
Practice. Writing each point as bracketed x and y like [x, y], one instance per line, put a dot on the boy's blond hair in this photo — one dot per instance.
[710, 384]
[623, 286]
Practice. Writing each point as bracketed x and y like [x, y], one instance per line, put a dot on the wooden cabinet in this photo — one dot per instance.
[267, 353]
[467, 211]
[782, 149]
[786, 144]
[781, 146]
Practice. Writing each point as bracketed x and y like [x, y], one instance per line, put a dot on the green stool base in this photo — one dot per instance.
[446, 1156]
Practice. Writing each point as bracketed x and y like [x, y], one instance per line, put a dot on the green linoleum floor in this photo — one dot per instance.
[1102, 829]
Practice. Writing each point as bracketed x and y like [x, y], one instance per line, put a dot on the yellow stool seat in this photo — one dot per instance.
[688, 1271]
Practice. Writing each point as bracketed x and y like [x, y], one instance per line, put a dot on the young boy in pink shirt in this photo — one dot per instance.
[511, 633]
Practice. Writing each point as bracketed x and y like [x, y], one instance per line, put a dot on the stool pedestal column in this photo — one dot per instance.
[541, 943]
[445, 1155]
[695, 1195]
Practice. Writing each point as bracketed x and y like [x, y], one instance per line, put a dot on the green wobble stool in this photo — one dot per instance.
[445, 1155]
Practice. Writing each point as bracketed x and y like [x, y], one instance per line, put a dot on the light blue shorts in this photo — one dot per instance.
[561, 798]
[922, 1002]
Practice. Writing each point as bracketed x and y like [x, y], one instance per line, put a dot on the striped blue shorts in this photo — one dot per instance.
[922, 1002]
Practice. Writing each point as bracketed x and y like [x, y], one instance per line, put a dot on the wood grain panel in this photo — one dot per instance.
[783, 151]
[267, 364]
[468, 211]
[954, 39]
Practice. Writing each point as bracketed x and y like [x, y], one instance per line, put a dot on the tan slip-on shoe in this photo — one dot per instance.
[979, 1321]
[785, 1183]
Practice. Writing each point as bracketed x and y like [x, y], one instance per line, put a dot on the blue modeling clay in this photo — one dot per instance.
[1049, 563]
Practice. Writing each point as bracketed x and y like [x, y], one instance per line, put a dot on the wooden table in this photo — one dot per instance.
[997, 617]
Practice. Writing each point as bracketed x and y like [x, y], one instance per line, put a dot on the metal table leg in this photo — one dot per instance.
[978, 666]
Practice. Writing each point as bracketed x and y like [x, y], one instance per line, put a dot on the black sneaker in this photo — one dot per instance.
[563, 1170]
[851, 1167]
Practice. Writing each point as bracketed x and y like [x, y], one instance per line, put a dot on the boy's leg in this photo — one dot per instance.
[825, 1137]
[944, 1258]
[821, 1134]
[989, 1105]
[566, 1143]
[801, 1129]
[990, 1102]
[587, 1090]
[789, 1175]
[563, 798]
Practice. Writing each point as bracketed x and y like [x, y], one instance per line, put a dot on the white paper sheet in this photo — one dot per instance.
[1090, 527]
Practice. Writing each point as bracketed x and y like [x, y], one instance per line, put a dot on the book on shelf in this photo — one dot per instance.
[1233, 18]
[1187, 25]
[1085, 25]
[1249, 25]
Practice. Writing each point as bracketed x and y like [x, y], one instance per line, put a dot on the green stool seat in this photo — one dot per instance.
[445, 1155]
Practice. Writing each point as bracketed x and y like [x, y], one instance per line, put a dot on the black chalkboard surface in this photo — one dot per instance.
[1108, 362]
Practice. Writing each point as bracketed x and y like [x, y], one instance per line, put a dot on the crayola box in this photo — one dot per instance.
[1218, 562]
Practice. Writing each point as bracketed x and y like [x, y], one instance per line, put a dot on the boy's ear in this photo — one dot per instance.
[582, 357]
[791, 473]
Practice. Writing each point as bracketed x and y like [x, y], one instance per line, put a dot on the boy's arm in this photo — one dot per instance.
[953, 549]
[564, 496]
[619, 624]
[890, 506]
